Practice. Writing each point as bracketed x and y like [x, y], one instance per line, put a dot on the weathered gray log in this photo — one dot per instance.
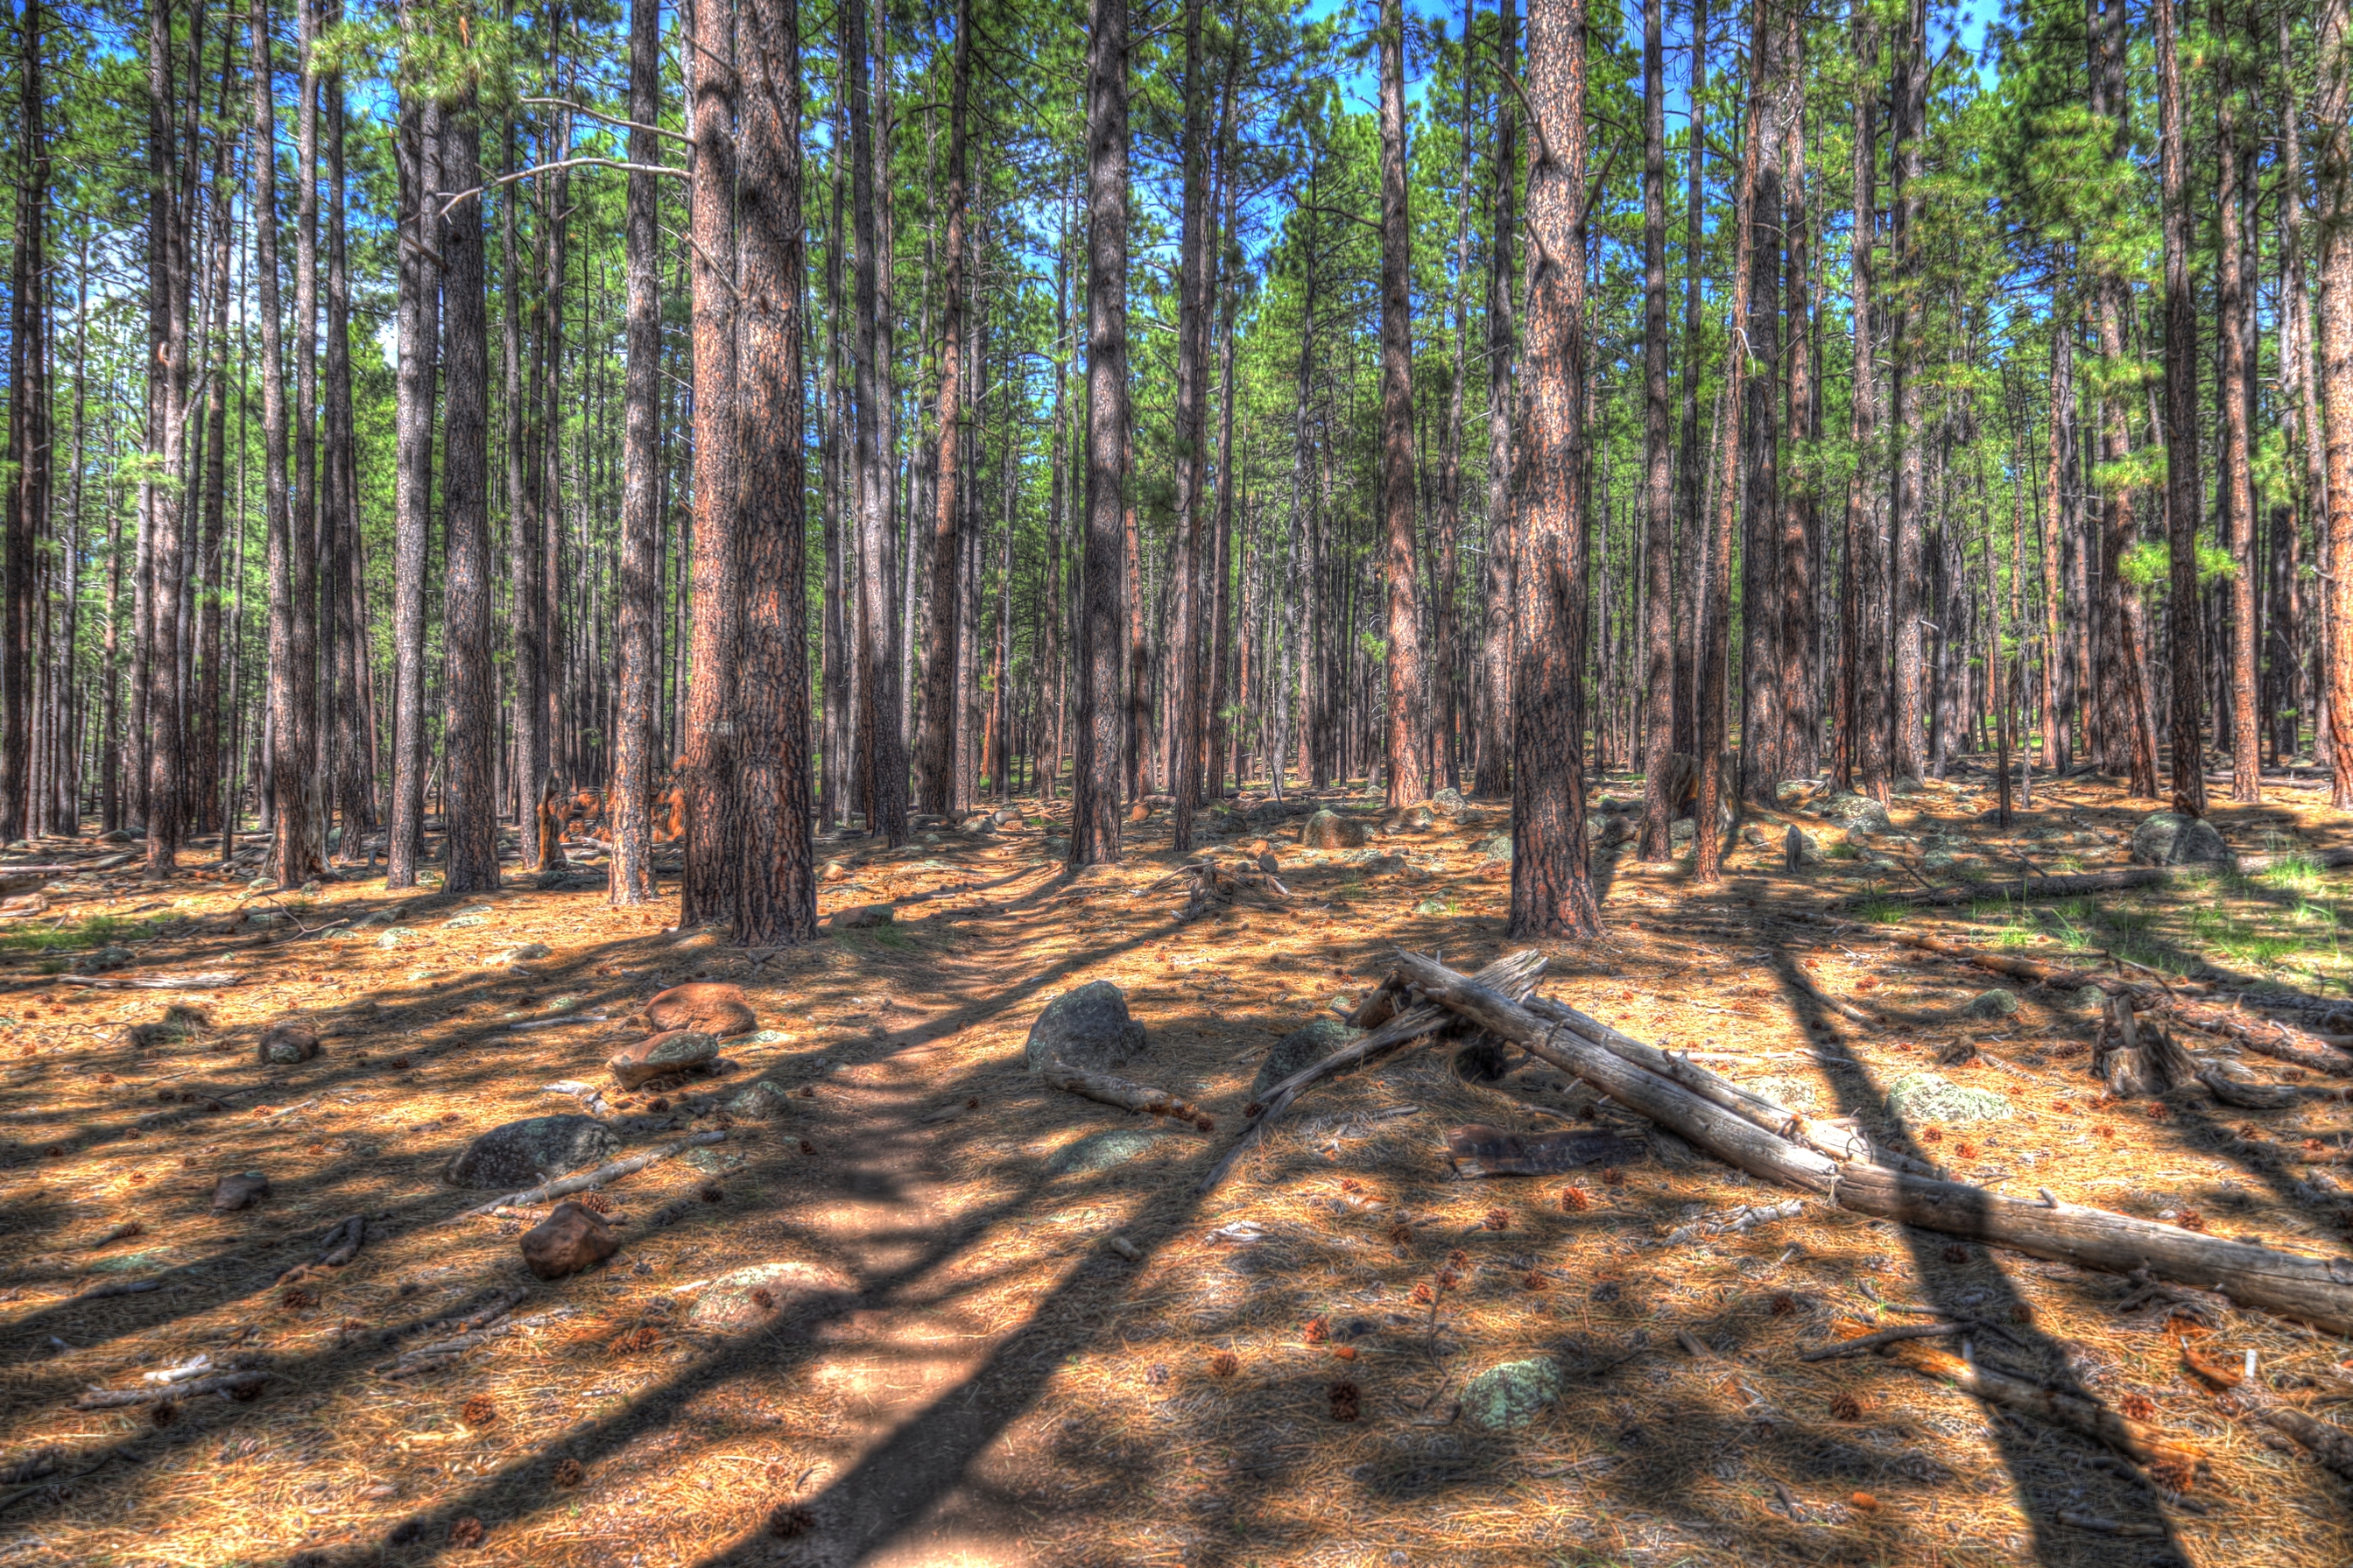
[629, 1165]
[1142, 1097]
[117, 1398]
[2316, 1290]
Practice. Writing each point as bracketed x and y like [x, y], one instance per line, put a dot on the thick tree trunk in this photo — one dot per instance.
[1492, 773]
[881, 751]
[2334, 146]
[2235, 326]
[1552, 885]
[472, 849]
[418, 142]
[1186, 660]
[1658, 461]
[629, 805]
[165, 505]
[936, 764]
[525, 549]
[2057, 664]
[1404, 727]
[1908, 345]
[28, 444]
[1797, 659]
[765, 820]
[1863, 734]
[343, 590]
[1691, 461]
[2185, 495]
[1095, 781]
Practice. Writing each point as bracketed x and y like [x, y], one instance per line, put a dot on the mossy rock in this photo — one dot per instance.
[1924, 1097]
[1507, 1397]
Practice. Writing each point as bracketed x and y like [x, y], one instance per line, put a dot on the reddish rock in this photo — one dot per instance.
[679, 1050]
[241, 1191]
[707, 1006]
[286, 1042]
[565, 1242]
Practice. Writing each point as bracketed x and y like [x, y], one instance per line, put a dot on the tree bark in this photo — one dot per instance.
[471, 804]
[1658, 461]
[418, 141]
[1405, 729]
[1492, 773]
[629, 805]
[936, 770]
[1095, 780]
[2185, 495]
[1863, 734]
[1552, 884]
[1906, 342]
[881, 753]
[1185, 651]
[2335, 172]
[2235, 326]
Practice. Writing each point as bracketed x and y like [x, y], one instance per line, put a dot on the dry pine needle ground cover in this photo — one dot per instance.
[978, 1375]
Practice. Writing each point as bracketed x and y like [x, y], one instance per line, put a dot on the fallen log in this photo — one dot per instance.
[1119, 1091]
[2316, 1290]
[2137, 1440]
[2074, 884]
[209, 980]
[2331, 1444]
[595, 1178]
[235, 1384]
[1515, 974]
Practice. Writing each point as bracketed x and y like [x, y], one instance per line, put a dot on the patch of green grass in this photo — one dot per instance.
[2295, 872]
[1842, 850]
[96, 931]
[2067, 923]
[1879, 910]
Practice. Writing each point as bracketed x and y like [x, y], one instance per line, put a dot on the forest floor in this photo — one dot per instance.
[969, 1372]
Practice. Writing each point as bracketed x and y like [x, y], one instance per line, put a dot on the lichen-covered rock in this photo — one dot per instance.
[1302, 1048]
[1923, 1097]
[2169, 838]
[1100, 1152]
[519, 1154]
[1411, 819]
[712, 1006]
[766, 1100]
[287, 1042]
[1994, 1004]
[1448, 802]
[1851, 811]
[522, 952]
[1603, 828]
[1507, 1397]
[762, 1294]
[572, 1238]
[675, 1050]
[1498, 848]
[1088, 1027]
[1330, 830]
[104, 958]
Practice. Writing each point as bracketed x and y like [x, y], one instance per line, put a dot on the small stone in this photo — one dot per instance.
[834, 871]
[1994, 1004]
[1330, 830]
[1100, 1152]
[712, 1006]
[1412, 819]
[523, 952]
[761, 1295]
[1507, 1397]
[1448, 802]
[1268, 863]
[766, 1100]
[1498, 848]
[241, 1191]
[1923, 1097]
[1300, 1048]
[2169, 838]
[1088, 1027]
[1605, 829]
[862, 917]
[675, 1050]
[572, 1238]
[524, 1153]
[104, 958]
[467, 921]
[286, 1042]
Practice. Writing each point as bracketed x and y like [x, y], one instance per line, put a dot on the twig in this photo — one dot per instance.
[1870, 1343]
[595, 1178]
[119, 1398]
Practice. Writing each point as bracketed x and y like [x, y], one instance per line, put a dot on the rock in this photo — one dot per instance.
[1994, 1004]
[1792, 792]
[1507, 1397]
[286, 1042]
[119, 836]
[1330, 830]
[1800, 848]
[467, 921]
[1411, 819]
[1268, 863]
[1498, 848]
[712, 1006]
[702, 939]
[241, 1191]
[104, 958]
[1923, 1097]
[1100, 1152]
[1006, 815]
[862, 917]
[762, 1294]
[523, 952]
[674, 1050]
[1302, 1048]
[1905, 786]
[1851, 811]
[1087, 1028]
[572, 1238]
[766, 1100]
[524, 1153]
[834, 871]
[2169, 838]
[1605, 829]
[1448, 802]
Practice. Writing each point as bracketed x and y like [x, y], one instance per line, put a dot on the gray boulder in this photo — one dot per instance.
[766, 1100]
[1087, 1028]
[1608, 827]
[1330, 830]
[1507, 1397]
[1448, 802]
[2169, 838]
[1994, 1004]
[1498, 848]
[1852, 811]
[1302, 1048]
[525, 1153]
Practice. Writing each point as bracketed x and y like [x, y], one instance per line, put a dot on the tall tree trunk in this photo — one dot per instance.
[163, 505]
[343, 588]
[629, 805]
[525, 551]
[29, 443]
[1907, 343]
[1491, 773]
[1691, 461]
[2301, 379]
[2185, 495]
[2235, 326]
[204, 769]
[2057, 662]
[471, 851]
[2335, 171]
[936, 762]
[1405, 728]
[1761, 725]
[1799, 751]
[1095, 779]
[1191, 455]
[1707, 846]
[1864, 735]
[766, 822]
[707, 891]
[1552, 884]
[881, 756]
[418, 141]
[1658, 461]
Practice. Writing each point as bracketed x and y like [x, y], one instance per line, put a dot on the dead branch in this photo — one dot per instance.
[595, 1178]
[1127, 1096]
[119, 1398]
